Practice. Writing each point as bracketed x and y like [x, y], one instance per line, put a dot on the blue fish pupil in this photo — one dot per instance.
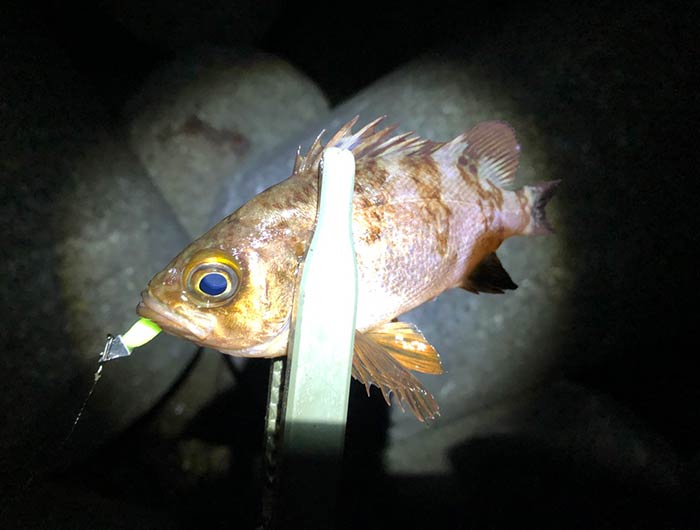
[213, 283]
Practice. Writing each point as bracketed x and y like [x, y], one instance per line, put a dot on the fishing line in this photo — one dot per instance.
[59, 451]
[140, 333]
[96, 378]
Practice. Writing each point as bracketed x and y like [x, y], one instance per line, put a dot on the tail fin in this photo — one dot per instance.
[538, 196]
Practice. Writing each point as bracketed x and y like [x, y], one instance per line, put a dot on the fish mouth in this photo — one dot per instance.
[153, 309]
[198, 327]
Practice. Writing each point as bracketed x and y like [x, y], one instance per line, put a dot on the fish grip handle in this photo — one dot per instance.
[307, 408]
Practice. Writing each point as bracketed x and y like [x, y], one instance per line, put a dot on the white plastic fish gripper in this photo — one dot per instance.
[310, 405]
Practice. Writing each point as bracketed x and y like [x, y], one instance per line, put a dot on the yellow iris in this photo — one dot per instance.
[212, 276]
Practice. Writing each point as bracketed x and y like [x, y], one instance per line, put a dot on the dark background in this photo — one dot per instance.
[647, 370]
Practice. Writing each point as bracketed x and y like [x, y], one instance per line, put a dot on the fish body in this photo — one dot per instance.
[427, 217]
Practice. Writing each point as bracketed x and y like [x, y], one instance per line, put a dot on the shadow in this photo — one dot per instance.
[317, 491]
[512, 481]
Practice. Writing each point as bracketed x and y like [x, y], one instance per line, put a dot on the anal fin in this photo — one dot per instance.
[373, 365]
[489, 276]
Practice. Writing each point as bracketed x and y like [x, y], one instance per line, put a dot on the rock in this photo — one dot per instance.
[83, 228]
[563, 417]
[201, 118]
[597, 465]
[207, 381]
[114, 233]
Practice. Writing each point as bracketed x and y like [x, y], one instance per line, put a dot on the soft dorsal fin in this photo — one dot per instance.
[405, 343]
[489, 276]
[365, 143]
[493, 148]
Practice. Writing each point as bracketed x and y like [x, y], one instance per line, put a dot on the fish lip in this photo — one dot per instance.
[152, 308]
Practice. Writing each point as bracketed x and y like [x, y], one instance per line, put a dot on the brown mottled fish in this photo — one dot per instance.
[428, 216]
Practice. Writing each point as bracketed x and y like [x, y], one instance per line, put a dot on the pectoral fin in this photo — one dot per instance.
[405, 343]
[489, 276]
[373, 365]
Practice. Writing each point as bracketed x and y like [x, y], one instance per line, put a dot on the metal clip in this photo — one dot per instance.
[114, 349]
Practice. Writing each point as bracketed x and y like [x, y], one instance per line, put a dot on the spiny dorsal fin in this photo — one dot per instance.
[489, 276]
[493, 149]
[365, 143]
[372, 365]
[311, 158]
[405, 342]
[298, 161]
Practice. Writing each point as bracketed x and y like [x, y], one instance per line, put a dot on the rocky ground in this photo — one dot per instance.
[126, 131]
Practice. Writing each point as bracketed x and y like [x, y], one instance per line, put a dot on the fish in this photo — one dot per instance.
[427, 216]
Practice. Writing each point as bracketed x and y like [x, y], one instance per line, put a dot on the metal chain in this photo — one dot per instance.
[272, 436]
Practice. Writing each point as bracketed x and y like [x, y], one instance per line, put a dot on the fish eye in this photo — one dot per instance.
[213, 281]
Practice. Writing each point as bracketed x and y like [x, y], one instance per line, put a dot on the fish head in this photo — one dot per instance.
[231, 294]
